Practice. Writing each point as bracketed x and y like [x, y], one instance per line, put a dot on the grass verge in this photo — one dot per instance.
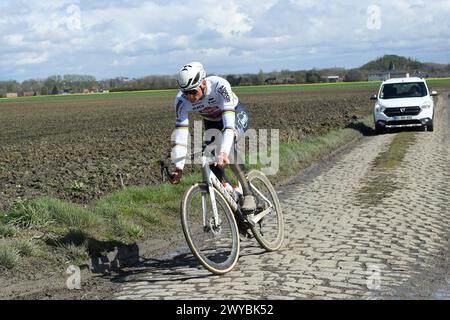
[73, 232]
[381, 182]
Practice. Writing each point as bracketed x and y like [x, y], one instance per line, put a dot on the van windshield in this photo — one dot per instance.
[403, 90]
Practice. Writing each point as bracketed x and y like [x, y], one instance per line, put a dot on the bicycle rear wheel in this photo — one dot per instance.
[269, 231]
[216, 247]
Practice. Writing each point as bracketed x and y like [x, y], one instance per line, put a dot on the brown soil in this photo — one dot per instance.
[100, 277]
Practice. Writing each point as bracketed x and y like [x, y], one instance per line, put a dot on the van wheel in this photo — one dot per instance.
[430, 127]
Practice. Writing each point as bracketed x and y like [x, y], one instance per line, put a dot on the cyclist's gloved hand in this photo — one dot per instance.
[175, 177]
[223, 160]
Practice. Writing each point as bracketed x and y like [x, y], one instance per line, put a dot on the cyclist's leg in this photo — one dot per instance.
[237, 165]
[239, 170]
[218, 172]
[237, 162]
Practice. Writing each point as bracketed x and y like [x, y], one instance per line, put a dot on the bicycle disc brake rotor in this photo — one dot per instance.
[216, 230]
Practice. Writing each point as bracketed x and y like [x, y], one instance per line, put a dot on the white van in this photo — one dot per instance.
[403, 102]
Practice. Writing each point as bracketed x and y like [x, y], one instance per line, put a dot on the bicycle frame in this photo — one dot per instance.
[256, 218]
[215, 239]
[212, 181]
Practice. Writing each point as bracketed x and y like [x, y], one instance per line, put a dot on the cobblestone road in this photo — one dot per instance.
[337, 246]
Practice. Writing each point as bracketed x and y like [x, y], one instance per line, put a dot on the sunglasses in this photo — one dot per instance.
[191, 92]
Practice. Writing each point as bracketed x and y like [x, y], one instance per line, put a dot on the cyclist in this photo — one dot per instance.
[213, 99]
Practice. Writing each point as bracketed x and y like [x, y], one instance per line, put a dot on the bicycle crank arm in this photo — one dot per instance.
[254, 219]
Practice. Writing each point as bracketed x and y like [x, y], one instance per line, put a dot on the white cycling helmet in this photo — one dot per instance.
[191, 76]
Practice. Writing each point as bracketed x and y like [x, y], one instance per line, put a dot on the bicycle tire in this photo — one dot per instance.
[227, 240]
[276, 233]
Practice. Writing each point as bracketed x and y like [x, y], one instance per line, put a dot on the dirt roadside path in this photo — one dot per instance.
[337, 245]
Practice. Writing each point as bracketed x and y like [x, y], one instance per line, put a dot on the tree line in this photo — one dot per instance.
[58, 84]
[55, 84]
[73, 83]
[67, 84]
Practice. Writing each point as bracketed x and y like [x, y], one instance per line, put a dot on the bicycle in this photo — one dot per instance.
[211, 218]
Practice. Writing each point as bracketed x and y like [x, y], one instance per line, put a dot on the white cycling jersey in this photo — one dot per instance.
[218, 104]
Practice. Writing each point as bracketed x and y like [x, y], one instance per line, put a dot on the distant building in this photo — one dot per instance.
[435, 75]
[123, 79]
[385, 75]
[12, 95]
[29, 94]
[280, 80]
[271, 80]
[287, 80]
[378, 76]
[333, 79]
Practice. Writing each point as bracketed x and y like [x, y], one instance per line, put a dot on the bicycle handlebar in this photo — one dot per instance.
[166, 162]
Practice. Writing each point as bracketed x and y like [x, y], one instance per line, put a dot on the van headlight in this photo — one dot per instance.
[379, 108]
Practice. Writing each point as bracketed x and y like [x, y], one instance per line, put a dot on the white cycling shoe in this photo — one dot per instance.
[248, 204]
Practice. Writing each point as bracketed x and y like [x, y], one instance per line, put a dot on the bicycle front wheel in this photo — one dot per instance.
[269, 230]
[215, 245]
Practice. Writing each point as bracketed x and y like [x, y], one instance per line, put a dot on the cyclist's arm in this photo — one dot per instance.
[228, 117]
[229, 101]
[180, 135]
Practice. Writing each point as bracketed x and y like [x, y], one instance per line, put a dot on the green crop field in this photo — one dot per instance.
[308, 87]
[439, 82]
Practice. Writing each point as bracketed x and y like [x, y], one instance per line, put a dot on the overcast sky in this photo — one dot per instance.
[109, 38]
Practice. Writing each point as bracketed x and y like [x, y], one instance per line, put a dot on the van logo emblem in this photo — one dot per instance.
[402, 110]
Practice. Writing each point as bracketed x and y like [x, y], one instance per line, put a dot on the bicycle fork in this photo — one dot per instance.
[214, 224]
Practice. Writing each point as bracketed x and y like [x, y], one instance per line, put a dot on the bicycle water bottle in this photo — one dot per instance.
[238, 190]
[229, 188]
